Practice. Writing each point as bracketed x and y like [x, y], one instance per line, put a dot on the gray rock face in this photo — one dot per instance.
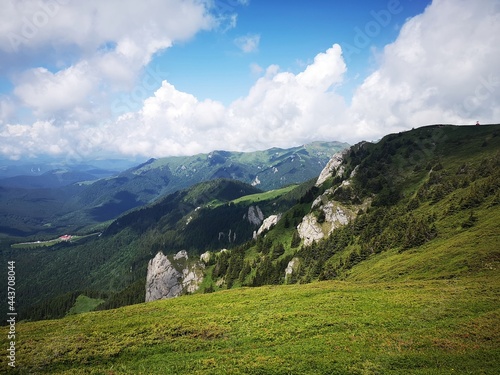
[336, 214]
[268, 223]
[167, 278]
[310, 230]
[255, 215]
[291, 268]
[333, 167]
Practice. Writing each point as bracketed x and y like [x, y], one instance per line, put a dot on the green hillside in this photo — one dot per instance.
[425, 205]
[418, 327]
[407, 284]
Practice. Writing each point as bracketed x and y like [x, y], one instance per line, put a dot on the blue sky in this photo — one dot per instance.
[290, 34]
[125, 78]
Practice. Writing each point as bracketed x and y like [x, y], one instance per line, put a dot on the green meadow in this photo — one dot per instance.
[332, 327]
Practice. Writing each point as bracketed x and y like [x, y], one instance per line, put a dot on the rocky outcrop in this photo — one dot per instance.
[291, 268]
[172, 276]
[268, 223]
[333, 167]
[255, 215]
[336, 214]
[206, 256]
[333, 213]
[310, 230]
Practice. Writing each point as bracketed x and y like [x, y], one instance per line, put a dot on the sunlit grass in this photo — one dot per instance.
[418, 327]
[260, 197]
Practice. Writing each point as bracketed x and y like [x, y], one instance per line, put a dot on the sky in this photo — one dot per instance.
[125, 79]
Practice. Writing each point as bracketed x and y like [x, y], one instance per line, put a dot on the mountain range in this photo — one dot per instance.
[82, 196]
[389, 252]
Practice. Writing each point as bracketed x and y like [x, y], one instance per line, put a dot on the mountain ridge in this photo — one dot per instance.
[78, 205]
[419, 166]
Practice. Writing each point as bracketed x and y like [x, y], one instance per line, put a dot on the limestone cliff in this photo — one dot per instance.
[333, 167]
[333, 213]
[172, 276]
[268, 223]
[255, 215]
[310, 230]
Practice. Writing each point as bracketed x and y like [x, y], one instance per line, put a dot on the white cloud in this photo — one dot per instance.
[7, 109]
[281, 109]
[109, 42]
[443, 68]
[256, 69]
[437, 71]
[46, 92]
[248, 43]
[89, 24]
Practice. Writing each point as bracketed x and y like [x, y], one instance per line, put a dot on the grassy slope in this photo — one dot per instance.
[397, 313]
[332, 327]
[432, 309]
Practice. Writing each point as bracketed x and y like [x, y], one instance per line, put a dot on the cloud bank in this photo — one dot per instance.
[442, 68]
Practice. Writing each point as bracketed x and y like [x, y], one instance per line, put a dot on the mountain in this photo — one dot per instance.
[370, 200]
[389, 258]
[269, 169]
[38, 167]
[79, 198]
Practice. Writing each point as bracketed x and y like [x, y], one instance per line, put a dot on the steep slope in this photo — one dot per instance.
[396, 206]
[113, 265]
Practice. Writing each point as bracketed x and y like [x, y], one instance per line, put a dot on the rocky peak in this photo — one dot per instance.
[268, 223]
[172, 276]
[333, 167]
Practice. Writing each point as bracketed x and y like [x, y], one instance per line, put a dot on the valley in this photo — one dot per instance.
[83, 198]
[387, 260]
[52, 242]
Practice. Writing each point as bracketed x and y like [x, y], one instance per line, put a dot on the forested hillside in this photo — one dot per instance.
[384, 210]
[391, 259]
[420, 204]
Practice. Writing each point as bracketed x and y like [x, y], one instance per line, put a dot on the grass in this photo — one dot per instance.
[260, 197]
[84, 304]
[333, 327]
[49, 243]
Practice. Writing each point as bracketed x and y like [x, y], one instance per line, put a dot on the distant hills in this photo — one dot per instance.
[408, 224]
[78, 197]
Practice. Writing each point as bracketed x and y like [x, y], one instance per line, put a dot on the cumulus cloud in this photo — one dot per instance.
[47, 92]
[95, 50]
[280, 109]
[442, 68]
[108, 44]
[90, 24]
